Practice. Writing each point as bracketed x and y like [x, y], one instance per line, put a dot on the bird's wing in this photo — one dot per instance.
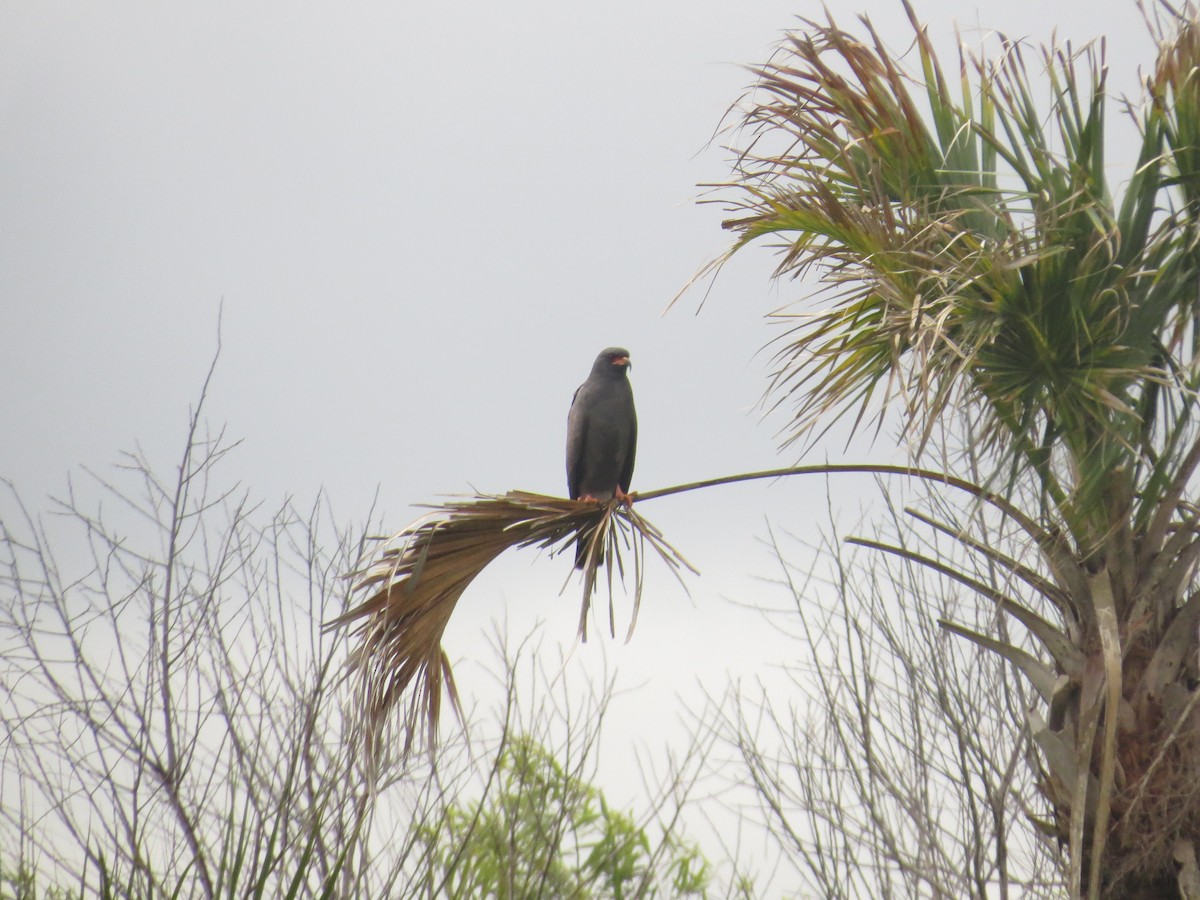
[630, 453]
[576, 441]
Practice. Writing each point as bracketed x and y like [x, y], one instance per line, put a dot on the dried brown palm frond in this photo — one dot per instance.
[417, 578]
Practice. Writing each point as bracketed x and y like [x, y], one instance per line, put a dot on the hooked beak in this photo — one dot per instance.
[622, 361]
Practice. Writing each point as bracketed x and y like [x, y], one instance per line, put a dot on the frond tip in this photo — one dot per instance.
[417, 578]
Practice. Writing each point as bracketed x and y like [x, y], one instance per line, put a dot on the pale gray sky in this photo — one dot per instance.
[423, 221]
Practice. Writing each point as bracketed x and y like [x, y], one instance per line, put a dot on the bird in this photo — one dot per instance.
[602, 435]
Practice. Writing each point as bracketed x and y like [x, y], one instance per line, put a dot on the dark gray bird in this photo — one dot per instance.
[602, 434]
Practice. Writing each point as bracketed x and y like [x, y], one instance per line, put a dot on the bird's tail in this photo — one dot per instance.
[581, 546]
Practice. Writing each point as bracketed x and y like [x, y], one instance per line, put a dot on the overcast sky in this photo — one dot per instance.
[423, 220]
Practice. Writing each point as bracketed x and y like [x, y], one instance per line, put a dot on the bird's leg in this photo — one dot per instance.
[625, 498]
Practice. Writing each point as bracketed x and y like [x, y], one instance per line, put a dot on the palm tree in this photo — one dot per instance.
[974, 259]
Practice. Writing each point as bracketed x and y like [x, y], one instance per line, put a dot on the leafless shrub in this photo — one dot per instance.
[175, 720]
[889, 766]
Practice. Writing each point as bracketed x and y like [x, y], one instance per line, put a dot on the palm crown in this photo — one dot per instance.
[973, 257]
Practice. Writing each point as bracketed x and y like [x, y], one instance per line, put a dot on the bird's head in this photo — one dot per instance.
[613, 359]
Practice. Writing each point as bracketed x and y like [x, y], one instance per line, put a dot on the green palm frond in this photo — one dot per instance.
[971, 252]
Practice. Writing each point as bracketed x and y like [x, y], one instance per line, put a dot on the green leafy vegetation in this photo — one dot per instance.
[547, 833]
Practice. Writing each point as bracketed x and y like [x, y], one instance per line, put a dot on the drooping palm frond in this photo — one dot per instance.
[416, 580]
